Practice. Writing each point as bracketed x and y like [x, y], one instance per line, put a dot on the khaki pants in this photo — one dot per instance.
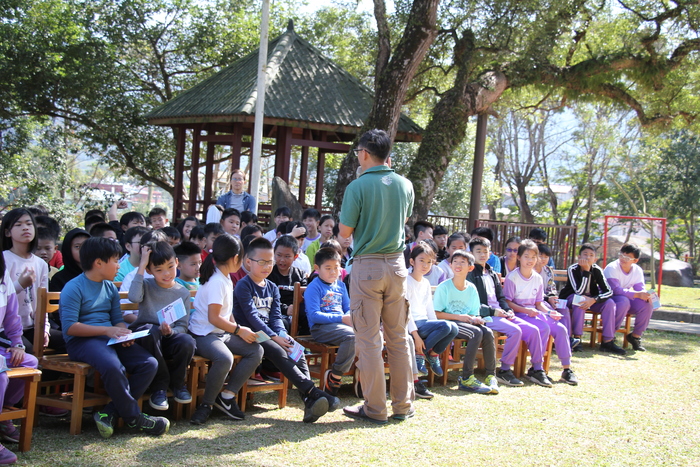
[378, 296]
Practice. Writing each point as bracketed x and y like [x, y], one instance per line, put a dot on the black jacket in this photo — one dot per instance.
[578, 279]
[476, 277]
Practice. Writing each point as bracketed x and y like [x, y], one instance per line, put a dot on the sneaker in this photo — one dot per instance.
[578, 347]
[357, 386]
[612, 347]
[201, 415]
[573, 342]
[404, 416]
[9, 432]
[333, 401]
[435, 364]
[159, 400]
[569, 377]
[229, 407]
[472, 384]
[507, 378]
[329, 384]
[315, 405]
[420, 364]
[358, 413]
[182, 395]
[105, 423]
[539, 377]
[421, 391]
[492, 382]
[636, 343]
[7, 456]
[151, 425]
[53, 411]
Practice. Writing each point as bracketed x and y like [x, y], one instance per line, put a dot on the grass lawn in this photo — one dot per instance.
[637, 410]
[684, 298]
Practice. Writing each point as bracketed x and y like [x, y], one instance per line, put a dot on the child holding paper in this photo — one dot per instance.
[169, 343]
[256, 305]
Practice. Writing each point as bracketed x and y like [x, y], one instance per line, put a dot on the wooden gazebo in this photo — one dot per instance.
[310, 102]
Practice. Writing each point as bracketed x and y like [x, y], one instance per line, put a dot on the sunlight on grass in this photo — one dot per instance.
[636, 410]
[687, 298]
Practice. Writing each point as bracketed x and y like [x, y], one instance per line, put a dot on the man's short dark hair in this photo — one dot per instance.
[38, 210]
[186, 249]
[161, 253]
[198, 232]
[289, 242]
[98, 230]
[538, 234]
[50, 223]
[44, 233]
[421, 226]
[439, 230]
[544, 249]
[157, 211]
[587, 246]
[283, 211]
[172, 232]
[250, 229]
[311, 212]
[631, 249]
[92, 220]
[483, 232]
[463, 254]
[229, 212]
[127, 217]
[213, 228]
[260, 243]
[95, 248]
[326, 254]
[479, 241]
[133, 232]
[249, 217]
[94, 212]
[377, 143]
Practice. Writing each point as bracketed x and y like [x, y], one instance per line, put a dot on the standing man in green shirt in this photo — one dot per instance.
[375, 209]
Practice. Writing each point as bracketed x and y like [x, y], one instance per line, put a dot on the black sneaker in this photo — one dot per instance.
[105, 423]
[201, 415]
[507, 378]
[539, 377]
[578, 347]
[612, 347]
[421, 391]
[229, 407]
[404, 416]
[315, 405]
[569, 377]
[636, 342]
[151, 425]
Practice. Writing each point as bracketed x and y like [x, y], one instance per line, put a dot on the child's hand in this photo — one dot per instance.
[247, 334]
[420, 345]
[555, 315]
[585, 264]
[122, 204]
[478, 321]
[46, 339]
[145, 256]
[554, 301]
[165, 329]
[17, 356]
[587, 303]
[115, 332]
[297, 231]
[646, 296]
[27, 277]
[531, 312]
[347, 319]
[283, 342]
[500, 313]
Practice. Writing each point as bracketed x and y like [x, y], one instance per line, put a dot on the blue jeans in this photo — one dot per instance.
[436, 334]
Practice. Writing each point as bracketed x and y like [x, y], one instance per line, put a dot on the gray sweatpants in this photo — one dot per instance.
[341, 335]
[477, 335]
[220, 348]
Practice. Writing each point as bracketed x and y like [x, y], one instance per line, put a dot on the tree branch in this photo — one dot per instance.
[383, 40]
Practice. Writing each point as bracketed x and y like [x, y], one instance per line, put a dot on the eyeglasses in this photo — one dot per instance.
[357, 151]
[511, 250]
[262, 262]
[238, 179]
[624, 257]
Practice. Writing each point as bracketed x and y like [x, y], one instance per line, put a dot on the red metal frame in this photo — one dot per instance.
[663, 242]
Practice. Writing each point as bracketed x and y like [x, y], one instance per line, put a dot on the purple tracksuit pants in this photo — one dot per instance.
[516, 330]
[638, 307]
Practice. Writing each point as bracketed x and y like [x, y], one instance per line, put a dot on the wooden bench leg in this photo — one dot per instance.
[76, 415]
[29, 403]
[193, 387]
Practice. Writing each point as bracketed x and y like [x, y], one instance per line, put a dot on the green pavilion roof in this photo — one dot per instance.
[304, 89]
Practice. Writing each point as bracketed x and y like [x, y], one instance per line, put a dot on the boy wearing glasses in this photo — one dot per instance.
[626, 279]
[237, 198]
[256, 305]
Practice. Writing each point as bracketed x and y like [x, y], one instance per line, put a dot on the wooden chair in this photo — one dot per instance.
[75, 398]
[520, 366]
[27, 412]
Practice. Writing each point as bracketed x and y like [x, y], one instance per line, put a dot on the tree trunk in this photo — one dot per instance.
[392, 85]
[525, 211]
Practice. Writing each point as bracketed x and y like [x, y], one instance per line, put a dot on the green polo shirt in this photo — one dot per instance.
[376, 205]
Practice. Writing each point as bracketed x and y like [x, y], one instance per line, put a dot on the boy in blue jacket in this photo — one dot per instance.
[328, 310]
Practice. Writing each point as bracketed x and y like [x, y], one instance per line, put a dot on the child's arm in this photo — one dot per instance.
[136, 288]
[244, 297]
[440, 301]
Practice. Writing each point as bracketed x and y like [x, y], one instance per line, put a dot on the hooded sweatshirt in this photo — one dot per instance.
[71, 269]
